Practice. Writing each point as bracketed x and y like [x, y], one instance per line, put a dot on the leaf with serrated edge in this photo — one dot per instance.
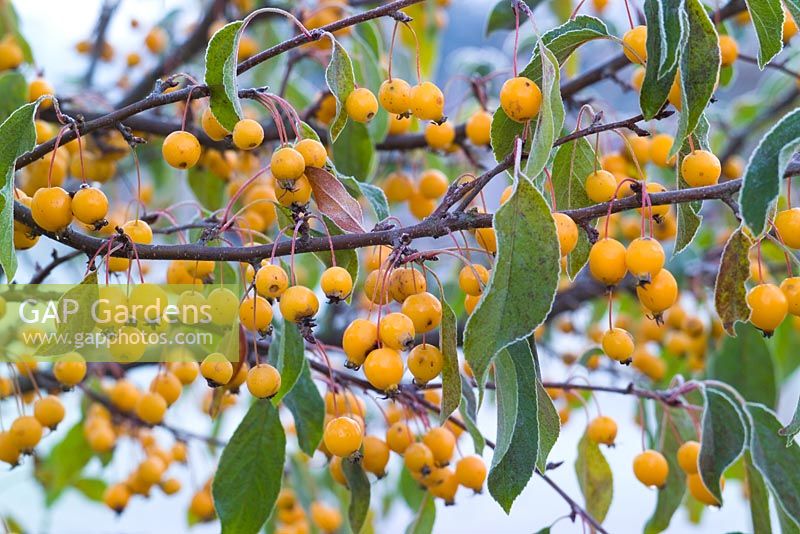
[722, 438]
[250, 471]
[594, 478]
[334, 201]
[523, 283]
[341, 81]
[729, 290]
[220, 77]
[516, 452]
[764, 172]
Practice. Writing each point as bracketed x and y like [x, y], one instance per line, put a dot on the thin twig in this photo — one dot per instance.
[103, 21]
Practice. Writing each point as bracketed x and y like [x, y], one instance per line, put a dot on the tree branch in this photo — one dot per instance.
[42, 273]
[318, 33]
[434, 226]
[103, 21]
[196, 41]
[201, 91]
[619, 61]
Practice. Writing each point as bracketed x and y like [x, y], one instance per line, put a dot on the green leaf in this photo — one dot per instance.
[92, 488]
[523, 283]
[220, 76]
[425, 518]
[451, 376]
[370, 35]
[675, 428]
[83, 320]
[665, 32]
[551, 114]
[308, 132]
[767, 17]
[562, 41]
[730, 291]
[290, 360]
[374, 195]
[17, 136]
[502, 16]
[377, 200]
[788, 525]
[63, 465]
[776, 462]
[208, 188]
[250, 470]
[759, 497]
[341, 81]
[764, 172]
[549, 425]
[589, 354]
[358, 483]
[515, 455]
[411, 491]
[308, 410]
[722, 438]
[594, 478]
[354, 151]
[368, 65]
[13, 93]
[688, 226]
[468, 410]
[671, 33]
[793, 428]
[699, 65]
[745, 362]
[573, 162]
